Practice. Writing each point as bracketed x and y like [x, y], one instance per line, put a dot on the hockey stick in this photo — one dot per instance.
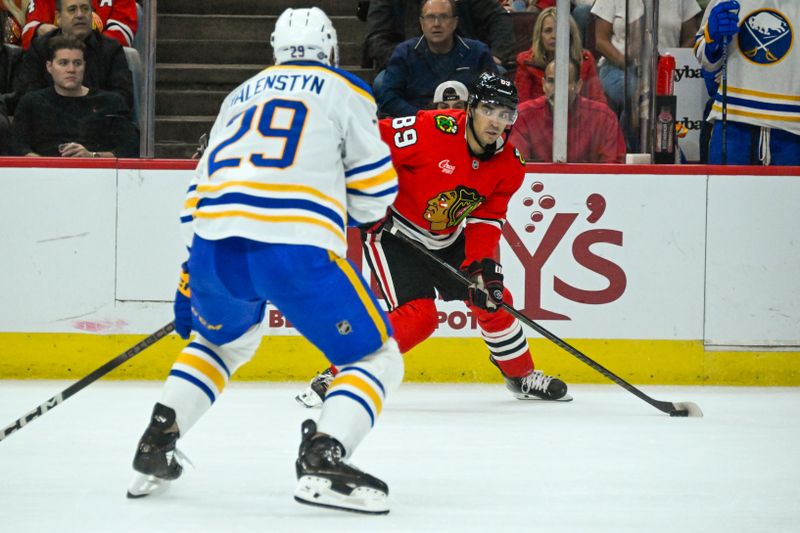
[86, 381]
[673, 409]
[724, 157]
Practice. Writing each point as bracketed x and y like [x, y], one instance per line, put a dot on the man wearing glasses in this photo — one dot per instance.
[418, 65]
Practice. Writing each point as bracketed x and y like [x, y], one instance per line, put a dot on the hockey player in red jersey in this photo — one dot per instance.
[453, 199]
[113, 18]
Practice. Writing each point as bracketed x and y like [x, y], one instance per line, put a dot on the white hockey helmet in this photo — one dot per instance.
[305, 34]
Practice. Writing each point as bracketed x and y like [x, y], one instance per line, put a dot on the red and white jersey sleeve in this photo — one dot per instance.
[443, 188]
[118, 17]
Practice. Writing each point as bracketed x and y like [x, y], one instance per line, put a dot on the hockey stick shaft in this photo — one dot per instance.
[73, 389]
[724, 158]
[683, 409]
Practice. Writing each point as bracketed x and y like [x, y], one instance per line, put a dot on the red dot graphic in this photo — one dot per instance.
[547, 202]
[537, 186]
[530, 228]
[537, 216]
[527, 202]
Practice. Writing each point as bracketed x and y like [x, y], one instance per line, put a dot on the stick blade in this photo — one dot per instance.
[686, 409]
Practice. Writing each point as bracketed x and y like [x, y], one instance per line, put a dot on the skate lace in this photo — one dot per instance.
[535, 381]
[179, 457]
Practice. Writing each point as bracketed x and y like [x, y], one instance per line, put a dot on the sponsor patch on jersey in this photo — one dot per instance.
[519, 156]
[446, 123]
[765, 37]
[449, 208]
[446, 167]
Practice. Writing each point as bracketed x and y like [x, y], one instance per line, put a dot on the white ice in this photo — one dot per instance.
[456, 457]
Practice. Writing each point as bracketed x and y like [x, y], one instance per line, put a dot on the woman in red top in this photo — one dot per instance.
[531, 63]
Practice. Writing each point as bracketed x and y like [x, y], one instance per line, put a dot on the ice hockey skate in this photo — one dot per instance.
[314, 394]
[538, 386]
[325, 480]
[157, 462]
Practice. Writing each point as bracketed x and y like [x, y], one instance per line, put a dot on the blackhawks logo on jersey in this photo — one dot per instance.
[449, 208]
[446, 124]
[519, 156]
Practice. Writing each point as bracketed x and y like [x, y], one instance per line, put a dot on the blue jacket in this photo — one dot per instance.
[414, 72]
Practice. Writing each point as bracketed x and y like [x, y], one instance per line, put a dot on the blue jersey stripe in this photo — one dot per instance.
[390, 190]
[367, 168]
[272, 203]
[756, 104]
[355, 398]
[209, 352]
[194, 381]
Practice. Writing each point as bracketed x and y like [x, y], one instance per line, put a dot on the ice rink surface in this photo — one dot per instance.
[456, 457]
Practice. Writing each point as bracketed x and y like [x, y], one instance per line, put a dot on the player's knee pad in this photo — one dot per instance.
[413, 322]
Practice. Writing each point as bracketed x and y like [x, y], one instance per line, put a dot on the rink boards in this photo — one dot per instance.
[673, 275]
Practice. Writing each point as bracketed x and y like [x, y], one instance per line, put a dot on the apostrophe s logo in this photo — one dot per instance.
[765, 36]
[519, 156]
[446, 123]
[449, 208]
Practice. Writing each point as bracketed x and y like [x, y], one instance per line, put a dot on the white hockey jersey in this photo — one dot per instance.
[763, 65]
[294, 157]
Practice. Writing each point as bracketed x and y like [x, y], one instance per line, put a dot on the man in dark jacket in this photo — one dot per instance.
[418, 66]
[106, 66]
[390, 22]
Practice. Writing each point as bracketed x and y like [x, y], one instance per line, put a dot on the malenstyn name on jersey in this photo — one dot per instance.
[280, 82]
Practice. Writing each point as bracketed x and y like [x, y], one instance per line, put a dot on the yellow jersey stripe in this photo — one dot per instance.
[274, 187]
[191, 203]
[279, 219]
[763, 94]
[741, 113]
[203, 366]
[360, 384]
[383, 177]
[355, 281]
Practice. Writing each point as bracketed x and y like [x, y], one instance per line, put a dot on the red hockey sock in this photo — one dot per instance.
[413, 322]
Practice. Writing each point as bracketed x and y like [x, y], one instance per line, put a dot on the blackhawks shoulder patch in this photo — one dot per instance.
[446, 123]
[519, 156]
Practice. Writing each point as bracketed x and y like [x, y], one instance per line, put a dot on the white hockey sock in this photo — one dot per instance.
[356, 395]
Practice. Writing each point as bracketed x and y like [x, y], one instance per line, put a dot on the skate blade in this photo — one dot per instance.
[522, 396]
[313, 490]
[309, 399]
[144, 485]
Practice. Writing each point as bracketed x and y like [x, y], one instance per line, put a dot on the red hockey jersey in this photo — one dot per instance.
[443, 188]
[117, 17]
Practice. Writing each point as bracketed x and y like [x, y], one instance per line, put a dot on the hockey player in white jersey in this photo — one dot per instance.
[762, 98]
[293, 158]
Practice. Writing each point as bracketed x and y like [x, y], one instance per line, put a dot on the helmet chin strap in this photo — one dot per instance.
[488, 149]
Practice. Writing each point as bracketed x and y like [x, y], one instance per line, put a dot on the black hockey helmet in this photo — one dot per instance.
[492, 89]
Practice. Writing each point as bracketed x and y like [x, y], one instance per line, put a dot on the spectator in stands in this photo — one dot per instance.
[593, 132]
[6, 72]
[418, 65]
[14, 20]
[390, 22]
[678, 21]
[451, 94]
[531, 63]
[106, 66]
[70, 119]
[581, 12]
[116, 19]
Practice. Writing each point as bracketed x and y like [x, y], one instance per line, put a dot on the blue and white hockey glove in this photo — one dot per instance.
[183, 305]
[486, 290]
[722, 24]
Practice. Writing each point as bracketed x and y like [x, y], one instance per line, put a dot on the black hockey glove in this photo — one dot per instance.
[183, 305]
[486, 290]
